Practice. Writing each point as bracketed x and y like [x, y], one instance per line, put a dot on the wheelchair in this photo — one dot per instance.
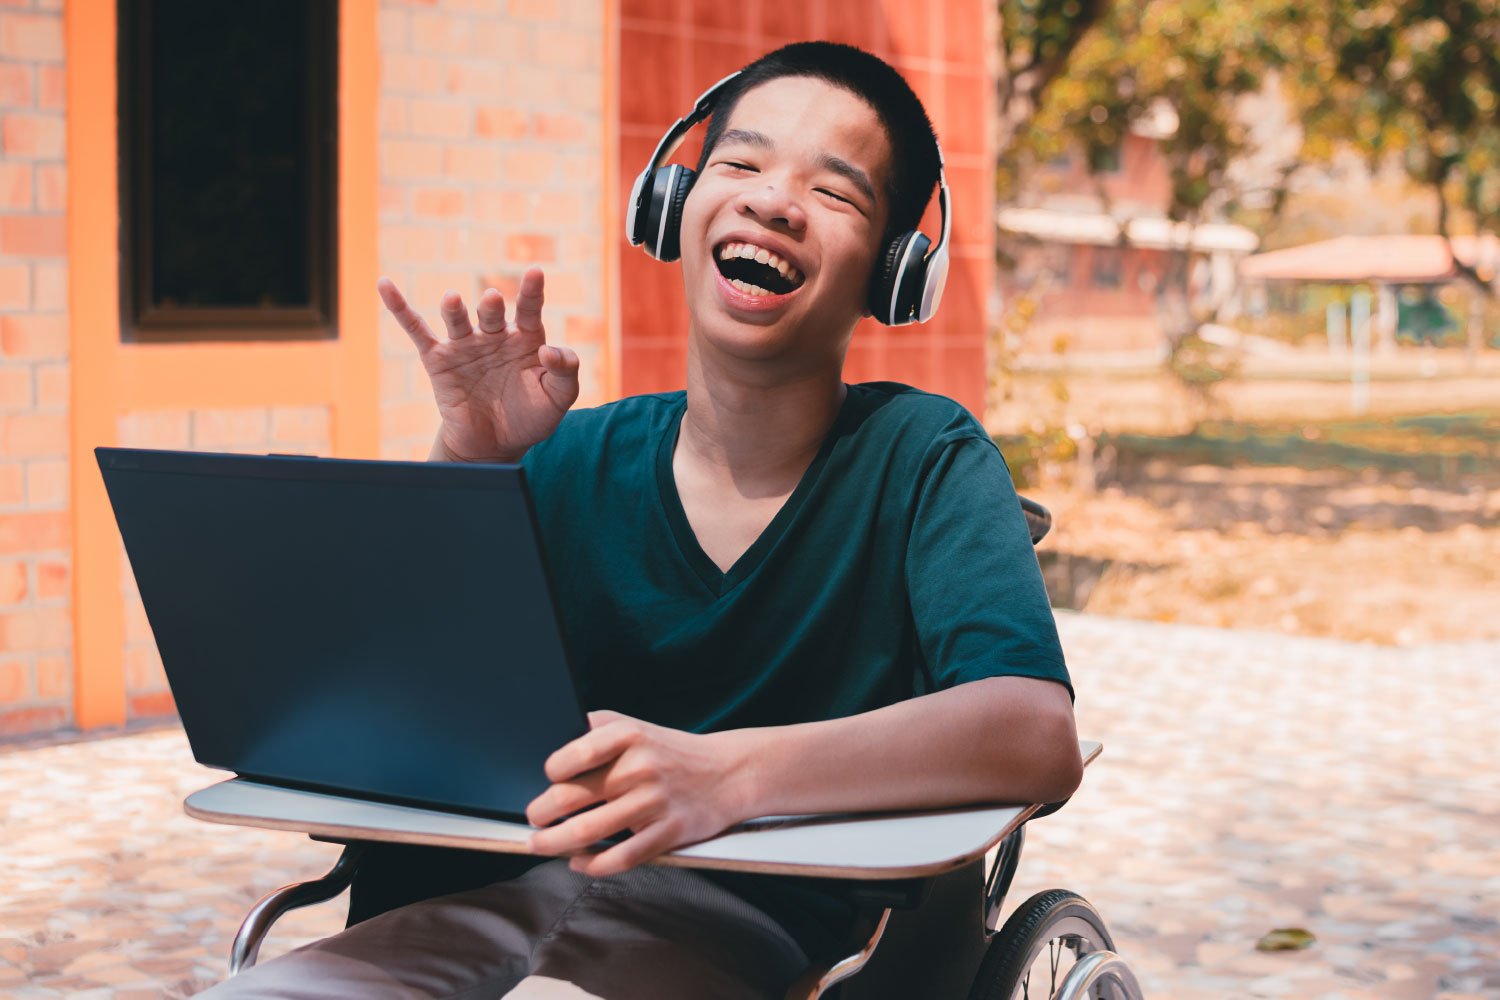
[928, 938]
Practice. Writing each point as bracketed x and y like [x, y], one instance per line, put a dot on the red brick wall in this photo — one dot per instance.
[671, 50]
[35, 529]
[491, 159]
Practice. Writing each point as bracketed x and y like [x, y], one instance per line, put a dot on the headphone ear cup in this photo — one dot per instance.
[663, 224]
[883, 284]
[901, 281]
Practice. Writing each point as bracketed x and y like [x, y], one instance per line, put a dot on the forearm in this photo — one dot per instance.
[1002, 739]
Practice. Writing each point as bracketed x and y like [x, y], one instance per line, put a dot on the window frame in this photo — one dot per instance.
[143, 322]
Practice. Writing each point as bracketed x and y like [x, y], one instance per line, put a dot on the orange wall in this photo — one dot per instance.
[671, 50]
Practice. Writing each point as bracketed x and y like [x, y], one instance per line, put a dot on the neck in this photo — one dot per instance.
[761, 429]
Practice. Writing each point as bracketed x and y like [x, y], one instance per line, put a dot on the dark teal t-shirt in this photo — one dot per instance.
[901, 564]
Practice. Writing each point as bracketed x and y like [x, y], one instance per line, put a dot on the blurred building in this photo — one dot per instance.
[196, 200]
[1089, 249]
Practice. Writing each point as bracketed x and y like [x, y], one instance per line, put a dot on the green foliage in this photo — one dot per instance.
[1420, 79]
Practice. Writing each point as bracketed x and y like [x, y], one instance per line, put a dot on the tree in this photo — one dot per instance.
[1417, 79]
[1037, 37]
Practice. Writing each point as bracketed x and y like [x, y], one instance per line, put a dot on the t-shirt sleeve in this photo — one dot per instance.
[976, 592]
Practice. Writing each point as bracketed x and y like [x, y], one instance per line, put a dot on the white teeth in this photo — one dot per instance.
[750, 251]
[748, 288]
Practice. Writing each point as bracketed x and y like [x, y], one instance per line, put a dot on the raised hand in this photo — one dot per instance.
[500, 387]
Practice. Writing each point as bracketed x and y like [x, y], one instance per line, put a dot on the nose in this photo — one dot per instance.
[773, 205]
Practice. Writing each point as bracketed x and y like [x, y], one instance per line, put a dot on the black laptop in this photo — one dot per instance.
[380, 629]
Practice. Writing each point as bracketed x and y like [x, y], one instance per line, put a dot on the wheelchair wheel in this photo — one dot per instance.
[1048, 934]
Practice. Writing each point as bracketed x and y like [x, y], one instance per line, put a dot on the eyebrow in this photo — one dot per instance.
[827, 161]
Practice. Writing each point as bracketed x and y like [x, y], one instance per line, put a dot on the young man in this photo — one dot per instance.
[782, 593]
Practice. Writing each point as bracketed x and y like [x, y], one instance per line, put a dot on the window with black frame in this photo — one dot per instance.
[227, 181]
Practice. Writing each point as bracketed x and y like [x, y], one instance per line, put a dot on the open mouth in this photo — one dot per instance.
[757, 271]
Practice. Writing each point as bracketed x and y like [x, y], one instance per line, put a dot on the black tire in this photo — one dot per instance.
[1037, 939]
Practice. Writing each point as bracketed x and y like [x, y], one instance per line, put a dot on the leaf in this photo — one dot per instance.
[1286, 939]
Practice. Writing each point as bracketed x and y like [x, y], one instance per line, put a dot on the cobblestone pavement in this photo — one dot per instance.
[1249, 781]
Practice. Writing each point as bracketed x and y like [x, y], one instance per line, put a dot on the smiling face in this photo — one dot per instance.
[782, 228]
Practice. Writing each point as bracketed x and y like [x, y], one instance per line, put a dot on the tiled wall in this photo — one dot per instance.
[491, 159]
[35, 528]
[672, 50]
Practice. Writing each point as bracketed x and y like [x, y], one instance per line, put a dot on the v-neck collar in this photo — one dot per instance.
[720, 582]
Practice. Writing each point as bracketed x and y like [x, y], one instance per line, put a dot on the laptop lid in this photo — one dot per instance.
[378, 628]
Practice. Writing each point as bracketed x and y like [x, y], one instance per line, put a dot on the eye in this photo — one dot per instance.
[737, 165]
[833, 195]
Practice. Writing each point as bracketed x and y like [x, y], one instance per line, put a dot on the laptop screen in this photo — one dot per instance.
[378, 628]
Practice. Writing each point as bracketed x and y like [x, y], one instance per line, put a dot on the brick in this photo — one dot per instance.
[54, 677]
[507, 207]
[394, 30]
[15, 286]
[15, 186]
[580, 248]
[402, 159]
[503, 39]
[52, 88]
[582, 92]
[499, 121]
[137, 625]
[16, 90]
[34, 235]
[568, 288]
[155, 429]
[22, 721]
[143, 668]
[530, 86]
[530, 248]
[475, 79]
[408, 244]
[414, 419]
[34, 338]
[585, 330]
[395, 381]
[15, 681]
[156, 705]
[557, 208]
[34, 435]
[468, 245]
[392, 201]
[15, 388]
[472, 163]
[47, 484]
[31, 137]
[51, 287]
[52, 188]
[307, 424]
[569, 49]
[566, 129]
[440, 33]
[438, 203]
[582, 171]
[395, 116]
[52, 387]
[536, 10]
[443, 119]
[528, 167]
[12, 484]
[31, 37]
[36, 629]
[402, 73]
[13, 586]
[53, 578]
[34, 532]
[508, 285]
[230, 428]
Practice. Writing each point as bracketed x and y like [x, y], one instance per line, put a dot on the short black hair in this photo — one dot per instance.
[915, 161]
